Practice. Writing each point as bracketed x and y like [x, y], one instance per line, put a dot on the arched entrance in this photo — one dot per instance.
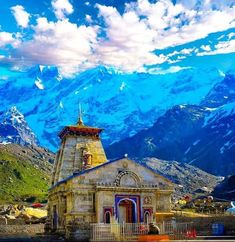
[127, 211]
[147, 218]
[107, 217]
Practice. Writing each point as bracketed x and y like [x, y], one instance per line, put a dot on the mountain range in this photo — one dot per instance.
[202, 135]
[121, 103]
[186, 116]
[25, 167]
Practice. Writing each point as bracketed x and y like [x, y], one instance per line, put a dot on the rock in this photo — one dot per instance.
[10, 216]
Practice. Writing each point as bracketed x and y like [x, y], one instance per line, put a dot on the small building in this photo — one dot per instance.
[87, 188]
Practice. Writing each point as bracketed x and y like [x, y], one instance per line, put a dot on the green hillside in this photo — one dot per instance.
[22, 179]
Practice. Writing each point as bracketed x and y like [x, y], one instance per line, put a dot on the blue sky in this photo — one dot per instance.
[132, 36]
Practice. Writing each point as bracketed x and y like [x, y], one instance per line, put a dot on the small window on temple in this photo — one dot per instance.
[120, 170]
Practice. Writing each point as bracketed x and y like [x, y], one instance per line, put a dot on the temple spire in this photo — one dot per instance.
[80, 121]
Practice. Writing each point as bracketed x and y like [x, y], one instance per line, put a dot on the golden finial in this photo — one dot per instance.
[80, 122]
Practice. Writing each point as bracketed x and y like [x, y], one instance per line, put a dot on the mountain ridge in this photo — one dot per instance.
[116, 101]
[188, 179]
[186, 116]
[194, 134]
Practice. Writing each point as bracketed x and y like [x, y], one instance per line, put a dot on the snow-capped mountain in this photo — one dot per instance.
[222, 93]
[186, 116]
[122, 104]
[14, 128]
[200, 135]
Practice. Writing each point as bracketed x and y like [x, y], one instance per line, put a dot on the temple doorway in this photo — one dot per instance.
[107, 217]
[127, 211]
[55, 218]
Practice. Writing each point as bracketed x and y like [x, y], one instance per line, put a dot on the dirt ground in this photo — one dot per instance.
[25, 233]
[35, 238]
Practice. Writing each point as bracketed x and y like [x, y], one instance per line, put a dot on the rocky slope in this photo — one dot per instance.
[25, 167]
[222, 93]
[226, 189]
[188, 179]
[202, 135]
[24, 173]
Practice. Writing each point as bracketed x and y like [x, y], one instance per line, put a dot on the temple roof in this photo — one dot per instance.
[105, 164]
[81, 130]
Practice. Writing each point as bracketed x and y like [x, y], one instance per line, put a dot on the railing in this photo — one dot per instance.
[131, 231]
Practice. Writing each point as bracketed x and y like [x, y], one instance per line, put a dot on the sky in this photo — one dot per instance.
[162, 36]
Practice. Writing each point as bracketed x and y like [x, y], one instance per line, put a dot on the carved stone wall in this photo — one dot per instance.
[83, 199]
[163, 202]
[70, 158]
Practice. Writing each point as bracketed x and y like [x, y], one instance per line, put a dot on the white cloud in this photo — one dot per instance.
[61, 43]
[221, 37]
[177, 56]
[180, 23]
[21, 16]
[231, 35]
[181, 57]
[223, 47]
[128, 40]
[172, 69]
[7, 38]
[62, 8]
[129, 44]
[186, 51]
[88, 18]
[206, 47]
[144, 27]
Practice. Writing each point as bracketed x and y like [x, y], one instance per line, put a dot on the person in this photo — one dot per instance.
[153, 229]
[173, 222]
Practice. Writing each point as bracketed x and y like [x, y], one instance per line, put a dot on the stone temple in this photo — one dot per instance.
[87, 188]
